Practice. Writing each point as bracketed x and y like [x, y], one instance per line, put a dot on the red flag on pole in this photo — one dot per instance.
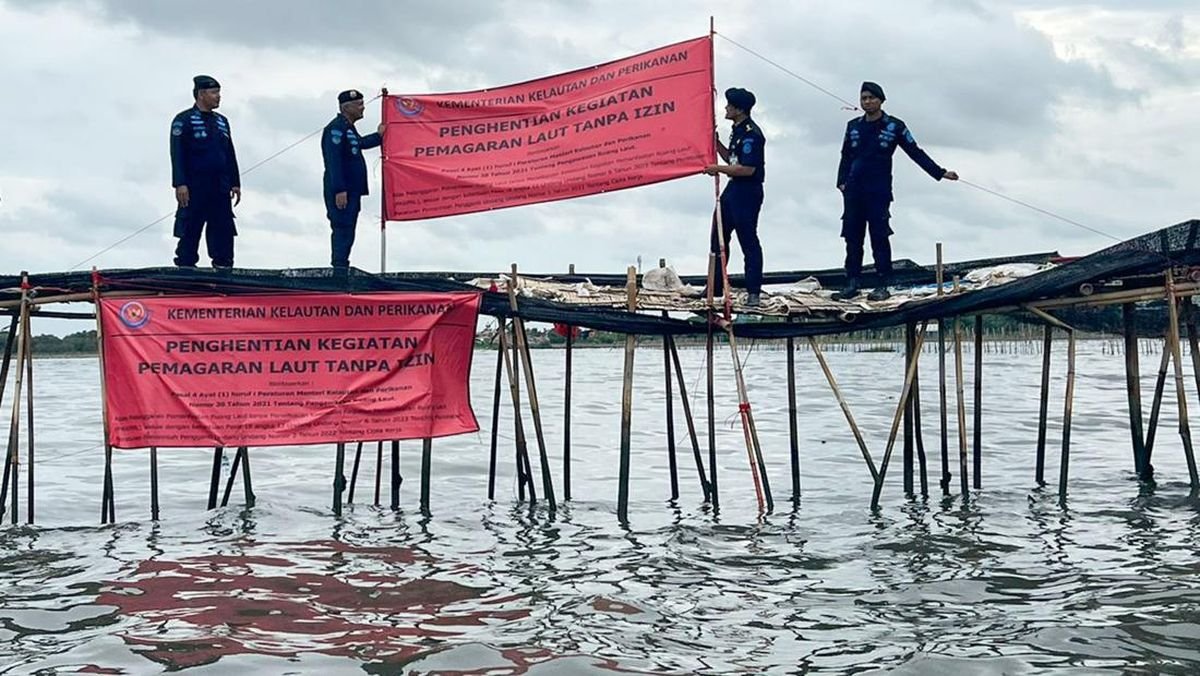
[631, 122]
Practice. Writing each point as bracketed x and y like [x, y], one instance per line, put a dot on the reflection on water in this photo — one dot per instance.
[1007, 581]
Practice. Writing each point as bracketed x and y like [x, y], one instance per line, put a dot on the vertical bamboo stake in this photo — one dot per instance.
[711, 401]
[910, 340]
[942, 379]
[29, 464]
[960, 402]
[917, 433]
[793, 423]
[977, 409]
[1044, 406]
[670, 405]
[378, 469]
[339, 477]
[108, 510]
[8, 352]
[214, 483]
[396, 479]
[534, 410]
[567, 369]
[1133, 386]
[496, 410]
[691, 423]
[426, 473]
[1185, 431]
[627, 401]
[1068, 405]
[12, 459]
[154, 483]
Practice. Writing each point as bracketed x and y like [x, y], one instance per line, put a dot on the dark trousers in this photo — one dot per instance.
[740, 205]
[863, 215]
[210, 214]
[342, 225]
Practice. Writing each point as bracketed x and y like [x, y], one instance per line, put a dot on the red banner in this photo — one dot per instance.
[626, 123]
[273, 370]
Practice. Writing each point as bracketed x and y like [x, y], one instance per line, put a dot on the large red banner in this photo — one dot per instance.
[270, 370]
[640, 120]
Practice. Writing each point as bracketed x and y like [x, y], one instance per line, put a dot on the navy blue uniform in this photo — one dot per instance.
[203, 159]
[865, 175]
[742, 199]
[345, 171]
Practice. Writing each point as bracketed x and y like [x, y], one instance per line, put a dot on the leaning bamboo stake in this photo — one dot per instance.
[758, 468]
[627, 401]
[691, 423]
[1160, 383]
[900, 407]
[247, 487]
[837, 393]
[669, 398]
[354, 472]
[531, 387]
[910, 330]
[214, 482]
[1133, 386]
[524, 471]
[1039, 472]
[12, 457]
[233, 472]
[1185, 431]
[8, 352]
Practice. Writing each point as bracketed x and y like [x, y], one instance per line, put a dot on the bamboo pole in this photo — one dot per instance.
[396, 479]
[12, 457]
[378, 469]
[1133, 387]
[691, 423]
[522, 342]
[524, 472]
[910, 330]
[627, 401]
[354, 472]
[793, 423]
[910, 374]
[8, 352]
[339, 477]
[214, 482]
[670, 406]
[960, 406]
[233, 471]
[758, 468]
[1185, 431]
[29, 462]
[945, 426]
[1044, 407]
[837, 393]
[711, 401]
[247, 486]
[426, 473]
[108, 509]
[1069, 400]
[977, 409]
[495, 438]
[154, 483]
[1155, 408]
[567, 369]
[915, 403]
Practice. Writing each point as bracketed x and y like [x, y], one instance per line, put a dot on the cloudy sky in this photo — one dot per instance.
[1084, 109]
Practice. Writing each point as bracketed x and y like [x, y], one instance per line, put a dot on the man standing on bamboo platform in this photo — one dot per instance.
[345, 173]
[204, 172]
[742, 198]
[865, 179]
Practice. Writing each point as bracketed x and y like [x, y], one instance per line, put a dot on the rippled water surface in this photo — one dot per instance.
[1009, 581]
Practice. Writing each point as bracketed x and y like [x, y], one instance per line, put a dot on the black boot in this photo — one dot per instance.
[881, 291]
[849, 291]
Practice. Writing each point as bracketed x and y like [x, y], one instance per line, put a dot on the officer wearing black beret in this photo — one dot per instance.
[743, 197]
[345, 180]
[865, 179]
[204, 172]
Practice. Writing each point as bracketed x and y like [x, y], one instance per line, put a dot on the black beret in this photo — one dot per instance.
[874, 89]
[740, 98]
[349, 95]
[205, 82]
